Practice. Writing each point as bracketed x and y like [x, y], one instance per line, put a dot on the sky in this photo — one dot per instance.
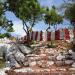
[40, 25]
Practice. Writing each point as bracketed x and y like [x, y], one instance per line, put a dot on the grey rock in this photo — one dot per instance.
[73, 65]
[68, 62]
[73, 55]
[32, 63]
[24, 48]
[16, 54]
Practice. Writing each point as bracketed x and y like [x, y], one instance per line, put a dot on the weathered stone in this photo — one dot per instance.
[69, 62]
[59, 63]
[16, 54]
[26, 64]
[11, 60]
[19, 56]
[73, 65]
[31, 55]
[51, 57]
[42, 55]
[72, 69]
[7, 63]
[39, 63]
[31, 59]
[49, 63]
[32, 63]
[70, 51]
[73, 55]
[24, 70]
[24, 48]
[60, 57]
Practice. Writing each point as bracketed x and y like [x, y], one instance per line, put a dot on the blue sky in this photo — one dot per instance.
[40, 25]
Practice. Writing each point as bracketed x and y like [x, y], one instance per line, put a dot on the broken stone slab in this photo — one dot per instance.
[24, 70]
[69, 62]
[31, 59]
[59, 63]
[60, 57]
[32, 55]
[43, 64]
[19, 56]
[26, 64]
[34, 58]
[73, 65]
[49, 63]
[24, 48]
[70, 51]
[72, 69]
[39, 63]
[7, 64]
[73, 55]
[51, 58]
[42, 55]
[11, 60]
[31, 64]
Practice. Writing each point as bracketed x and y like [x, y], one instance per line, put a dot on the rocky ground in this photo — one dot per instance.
[44, 59]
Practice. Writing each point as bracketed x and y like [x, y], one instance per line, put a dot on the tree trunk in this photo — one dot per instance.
[28, 37]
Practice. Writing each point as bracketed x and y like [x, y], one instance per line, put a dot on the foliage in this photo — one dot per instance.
[70, 13]
[5, 35]
[69, 10]
[4, 23]
[52, 17]
[29, 11]
[51, 46]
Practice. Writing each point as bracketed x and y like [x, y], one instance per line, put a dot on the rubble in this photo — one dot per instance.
[48, 59]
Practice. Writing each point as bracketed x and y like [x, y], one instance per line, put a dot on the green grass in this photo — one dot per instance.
[2, 63]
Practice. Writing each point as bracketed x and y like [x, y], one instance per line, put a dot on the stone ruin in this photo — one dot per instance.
[41, 60]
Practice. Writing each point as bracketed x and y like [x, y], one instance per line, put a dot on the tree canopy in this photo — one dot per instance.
[52, 17]
[29, 11]
[4, 23]
[69, 14]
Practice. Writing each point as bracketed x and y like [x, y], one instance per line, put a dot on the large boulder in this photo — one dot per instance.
[17, 54]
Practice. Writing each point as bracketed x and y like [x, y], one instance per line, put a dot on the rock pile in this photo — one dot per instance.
[43, 58]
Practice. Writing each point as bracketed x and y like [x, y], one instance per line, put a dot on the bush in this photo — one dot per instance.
[51, 46]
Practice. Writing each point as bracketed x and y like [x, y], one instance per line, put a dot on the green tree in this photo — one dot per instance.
[69, 11]
[4, 23]
[70, 14]
[5, 35]
[29, 11]
[52, 17]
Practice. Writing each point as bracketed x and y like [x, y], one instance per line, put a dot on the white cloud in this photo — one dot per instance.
[18, 28]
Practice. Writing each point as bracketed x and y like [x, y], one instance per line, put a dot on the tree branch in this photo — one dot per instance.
[48, 28]
[24, 28]
[25, 24]
[33, 21]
